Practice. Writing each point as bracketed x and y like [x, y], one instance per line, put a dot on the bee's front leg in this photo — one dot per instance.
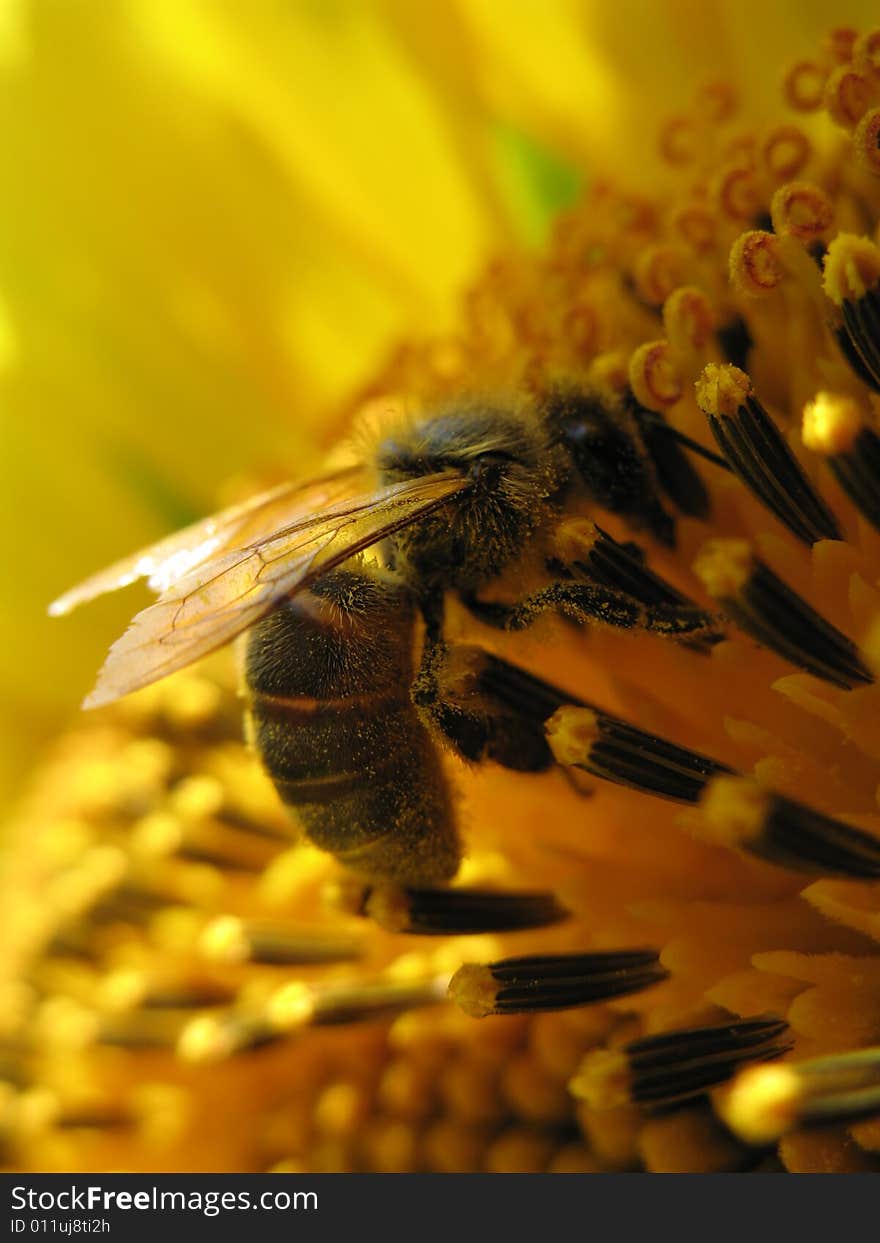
[596, 578]
[448, 696]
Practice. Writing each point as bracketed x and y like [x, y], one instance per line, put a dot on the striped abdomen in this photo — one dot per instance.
[328, 677]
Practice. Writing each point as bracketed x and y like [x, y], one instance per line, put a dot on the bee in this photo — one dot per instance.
[337, 582]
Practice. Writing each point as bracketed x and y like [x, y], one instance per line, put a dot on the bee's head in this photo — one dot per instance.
[503, 452]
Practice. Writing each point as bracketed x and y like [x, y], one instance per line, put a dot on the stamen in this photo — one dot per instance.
[455, 912]
[785, 151]
[717, 100]
[770, 611]
[552, 982]
[848, 95]
[581, 329]
[866, 141]
[802, 210]
[677, 1066]
[103, 1119]
[866, 53]
[211, 1038]
[230, 939]
[678, 140]
[688, 319]
[696, 226]
[760, 455]
[736, 812]
[296, 1004]
[130, 904]
[765, 1103]
[736, 192]
[659, 270]
[840, 42]
[852, 275]
[586, 548]
[191, 997]
[227, 847]
[804, 85]
[755, 264]
[654, 377]
[834, 426]
[73, 942]
[618, 752]
[142, 1029]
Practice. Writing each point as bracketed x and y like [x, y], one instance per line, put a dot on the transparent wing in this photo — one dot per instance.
[167, 561]
[217, 600]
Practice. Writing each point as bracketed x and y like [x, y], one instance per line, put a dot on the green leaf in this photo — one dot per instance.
[536, 181]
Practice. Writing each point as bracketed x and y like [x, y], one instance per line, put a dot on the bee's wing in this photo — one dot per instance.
[167, 561]
[217, 600]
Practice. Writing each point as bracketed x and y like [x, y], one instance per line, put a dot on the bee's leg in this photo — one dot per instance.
[582, 602]
[449, 700]
[587, 739]
[599, 579]
[528, 725]
[583, 552]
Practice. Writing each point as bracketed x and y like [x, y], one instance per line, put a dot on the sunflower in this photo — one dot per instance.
[660, 953]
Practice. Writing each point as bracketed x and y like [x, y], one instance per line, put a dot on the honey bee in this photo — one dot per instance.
[337, 581]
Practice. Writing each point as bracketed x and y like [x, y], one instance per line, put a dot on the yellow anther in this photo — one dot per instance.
[866, 141]
[755, 266]
[679, 140]
[717, 100]
[723, 566]
[736, 192]
[696, 226]
[721, 390]
[848, 95]
[840, 42]
[866, 53]
[831, 423]
[762, 1103]
[659, 270]
[852, 267]
[580, 327]
[733, 811]
[688, 318]
[802, 210]
[785, 151]
[804, 84]
[654, 377]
